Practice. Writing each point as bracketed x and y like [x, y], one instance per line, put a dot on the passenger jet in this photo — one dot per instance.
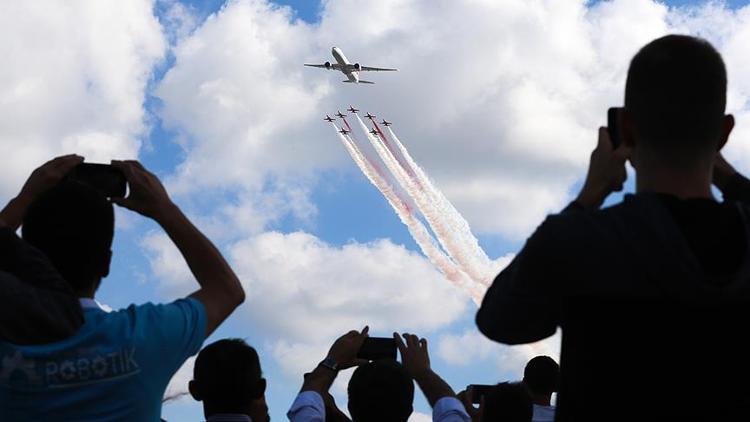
[350, 70]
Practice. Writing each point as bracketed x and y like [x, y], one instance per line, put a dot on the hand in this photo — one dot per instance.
[147, 195]
[414, 355]
[345, 348]
[475, 413]
[48, 175]
[723, 171]
[43, 178]
[606, 172]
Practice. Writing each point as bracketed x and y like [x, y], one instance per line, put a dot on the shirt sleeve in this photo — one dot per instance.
[170, 333]
[449, 409]
[37, 304]
[307, 407]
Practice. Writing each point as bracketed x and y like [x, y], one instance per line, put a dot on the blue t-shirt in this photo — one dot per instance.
[115, 368]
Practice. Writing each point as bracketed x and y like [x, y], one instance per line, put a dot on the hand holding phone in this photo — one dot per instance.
[613, 126]
[477, 391]
[107, 180]
[378, 348]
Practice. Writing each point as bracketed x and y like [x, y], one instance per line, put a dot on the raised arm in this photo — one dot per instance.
[220, 289]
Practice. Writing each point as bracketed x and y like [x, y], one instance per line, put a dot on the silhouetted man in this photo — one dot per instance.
[378, 390]
[542, 377]
[652, 294]
[36, 305]
[117, 366]
[228, 380]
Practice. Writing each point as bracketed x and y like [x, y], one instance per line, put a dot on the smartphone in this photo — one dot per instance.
[477, 391]
[613, 126]
[378, 348]
[106, 179]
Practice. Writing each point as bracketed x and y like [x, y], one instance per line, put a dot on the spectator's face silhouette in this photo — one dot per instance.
[73, 225]
[675, 98]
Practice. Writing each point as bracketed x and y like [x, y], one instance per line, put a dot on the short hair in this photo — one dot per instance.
[508, 402]
[228, 376]
[381, 391]
[542, 375]
[73, 225]
[676, 93]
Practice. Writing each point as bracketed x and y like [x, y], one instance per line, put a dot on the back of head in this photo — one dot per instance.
[381, 391]
[542, 375]
[507, 402]
[227, 376]
[73, 225]
[676, 95]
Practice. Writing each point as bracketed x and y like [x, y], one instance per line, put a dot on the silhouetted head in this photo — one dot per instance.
[675, 96]
[508, 402]
[381, 391]
[542, 375]
[227, 378]
[73, 225]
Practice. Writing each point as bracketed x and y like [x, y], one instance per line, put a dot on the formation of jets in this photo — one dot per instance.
[351, 70]
[353, 110]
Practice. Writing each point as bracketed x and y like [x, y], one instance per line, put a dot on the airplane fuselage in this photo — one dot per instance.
[353, 75]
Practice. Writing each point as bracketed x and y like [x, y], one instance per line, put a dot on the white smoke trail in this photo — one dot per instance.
[449, 226]
[418, 231]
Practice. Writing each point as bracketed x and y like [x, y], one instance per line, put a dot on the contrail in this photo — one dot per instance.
[447, 223]
[418, 231]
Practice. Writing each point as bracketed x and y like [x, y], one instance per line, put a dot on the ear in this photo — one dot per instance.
[726, 129]
[262, 384]
[194, 390]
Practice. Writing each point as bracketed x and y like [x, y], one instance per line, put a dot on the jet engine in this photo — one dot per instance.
[327, 65]
[357, 66]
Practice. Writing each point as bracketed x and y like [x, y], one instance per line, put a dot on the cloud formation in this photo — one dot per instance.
[73, 79]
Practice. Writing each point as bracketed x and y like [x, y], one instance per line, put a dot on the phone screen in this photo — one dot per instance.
[106, 179]
[377, 348]
[613, 126]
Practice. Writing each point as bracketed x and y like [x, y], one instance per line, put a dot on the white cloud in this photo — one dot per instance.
[472, 348]
[73, 79]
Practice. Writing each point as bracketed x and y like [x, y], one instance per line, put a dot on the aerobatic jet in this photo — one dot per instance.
[343, 131]
[374, 132]
[370, 116]
[351, 70]
[352, 109]
[329, 118]
[384, 123]
[340, 114]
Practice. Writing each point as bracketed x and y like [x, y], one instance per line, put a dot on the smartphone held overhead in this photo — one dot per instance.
[378, 348]
[109, 181]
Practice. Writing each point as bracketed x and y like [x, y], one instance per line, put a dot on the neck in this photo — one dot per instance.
[209, 411]
[683, 183]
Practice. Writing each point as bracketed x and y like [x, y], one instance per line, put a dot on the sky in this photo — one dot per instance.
[498, 101]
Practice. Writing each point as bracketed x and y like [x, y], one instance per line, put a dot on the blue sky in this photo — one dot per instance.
[218, 105]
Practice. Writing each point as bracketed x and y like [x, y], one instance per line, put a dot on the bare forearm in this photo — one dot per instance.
[433, 387]
[319, 380]
[13, 213]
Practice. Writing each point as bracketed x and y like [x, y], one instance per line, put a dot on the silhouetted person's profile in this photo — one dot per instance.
[652, 294]
[228, 379]
[541, 376]
[117, 365]
[507, 402]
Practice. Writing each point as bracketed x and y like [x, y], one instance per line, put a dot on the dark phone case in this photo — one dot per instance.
[477, 391]
[376, 348]
[106, 179]
[613, 126]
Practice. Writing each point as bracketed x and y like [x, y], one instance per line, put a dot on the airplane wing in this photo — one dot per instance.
[376, 69]
[334, 66]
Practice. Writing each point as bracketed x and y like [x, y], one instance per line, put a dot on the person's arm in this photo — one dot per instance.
[220, 290]
[416, 361]
[43, 178]
[733, 185]
[309, 405]
[523, 304]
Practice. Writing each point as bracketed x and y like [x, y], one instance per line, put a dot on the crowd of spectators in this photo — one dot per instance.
[651, 293]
